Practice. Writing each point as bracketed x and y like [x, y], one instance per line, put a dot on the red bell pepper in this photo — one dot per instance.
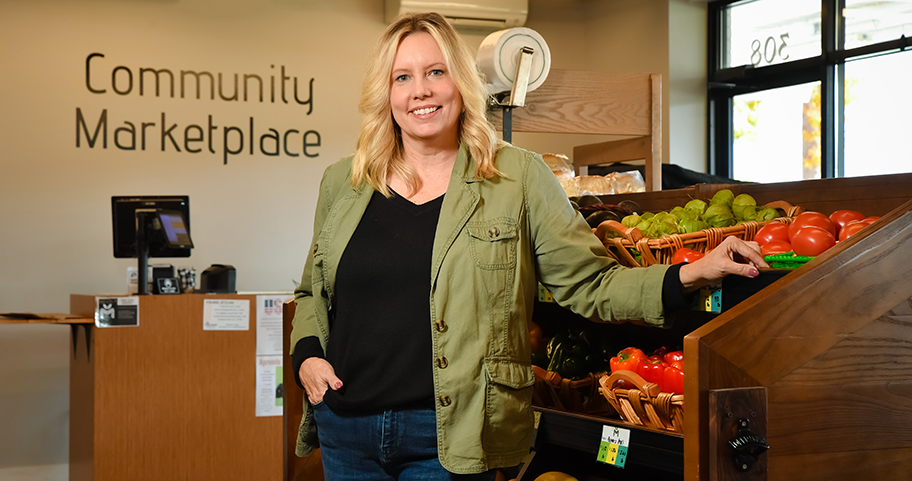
[673, 380]
[651, 369]
[627, 359]
[673, 356]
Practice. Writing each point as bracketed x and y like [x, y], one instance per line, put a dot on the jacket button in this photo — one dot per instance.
[442, 362]
[445, 400]
[441, 326]
[494, 232]
[316, 246]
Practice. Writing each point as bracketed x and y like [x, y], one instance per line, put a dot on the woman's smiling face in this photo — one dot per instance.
[423, 97]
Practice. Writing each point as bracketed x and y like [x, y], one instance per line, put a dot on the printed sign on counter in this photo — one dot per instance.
[269, 323]
[269, 388]
[116, 311]
[226, 315]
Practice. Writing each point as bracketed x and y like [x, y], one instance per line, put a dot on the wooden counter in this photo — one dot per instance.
[167, 400]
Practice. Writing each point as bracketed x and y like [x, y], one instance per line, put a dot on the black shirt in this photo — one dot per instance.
[380, 332]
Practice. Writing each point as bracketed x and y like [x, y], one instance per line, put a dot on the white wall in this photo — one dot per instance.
[254, 212]
[687, 23]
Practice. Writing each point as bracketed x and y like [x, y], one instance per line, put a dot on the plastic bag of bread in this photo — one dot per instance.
[626, 182]
[562, 168]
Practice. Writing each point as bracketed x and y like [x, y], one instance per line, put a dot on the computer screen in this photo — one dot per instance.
[173, 212]
[177, 235]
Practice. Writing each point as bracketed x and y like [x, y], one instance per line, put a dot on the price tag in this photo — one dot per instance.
[544, 295]
[710, 300]
[614, 445]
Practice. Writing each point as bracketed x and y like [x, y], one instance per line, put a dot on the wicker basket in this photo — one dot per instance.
[580, 396]
[659, 251]
[644, 405]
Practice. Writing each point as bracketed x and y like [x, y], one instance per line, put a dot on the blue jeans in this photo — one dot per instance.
[392, 445]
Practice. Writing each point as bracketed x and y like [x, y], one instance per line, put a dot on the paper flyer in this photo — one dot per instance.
[269, 329]
[226, 315]
[269, 389]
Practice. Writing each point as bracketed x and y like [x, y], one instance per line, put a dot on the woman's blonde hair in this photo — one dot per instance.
[379, 149]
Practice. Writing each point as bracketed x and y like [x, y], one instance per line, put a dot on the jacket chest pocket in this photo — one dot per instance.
[493, 243]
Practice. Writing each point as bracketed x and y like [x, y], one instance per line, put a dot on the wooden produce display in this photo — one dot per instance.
[817, 364]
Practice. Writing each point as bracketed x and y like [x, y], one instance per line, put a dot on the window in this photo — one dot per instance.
[797, 91]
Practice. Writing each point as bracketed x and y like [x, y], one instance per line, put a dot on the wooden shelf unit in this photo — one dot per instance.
[583, 102]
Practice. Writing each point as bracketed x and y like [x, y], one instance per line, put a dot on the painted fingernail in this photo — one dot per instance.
[337, 385]
[754, 272]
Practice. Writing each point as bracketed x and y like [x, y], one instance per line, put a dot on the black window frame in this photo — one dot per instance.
[827, 68]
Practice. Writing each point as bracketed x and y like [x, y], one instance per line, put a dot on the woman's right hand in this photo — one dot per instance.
[317, 375]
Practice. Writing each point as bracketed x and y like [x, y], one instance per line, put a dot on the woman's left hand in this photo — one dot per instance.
[732, 256]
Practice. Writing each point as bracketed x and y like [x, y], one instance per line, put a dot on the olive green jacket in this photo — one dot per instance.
[495, 241]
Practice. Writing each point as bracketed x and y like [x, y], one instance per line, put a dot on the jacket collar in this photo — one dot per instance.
[465, 165]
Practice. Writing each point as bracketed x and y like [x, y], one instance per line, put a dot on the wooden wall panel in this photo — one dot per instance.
[878, 353]
[851, 416]
[890, 464]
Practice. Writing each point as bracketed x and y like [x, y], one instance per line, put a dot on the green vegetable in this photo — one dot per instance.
[687, 214]
[747, 213]
[723, 197]
[690, 226]
[644, 225]
[696, 205]
[766, 213]
[573, 366]
[718, 215]
[630, 221]
[554, 344]
[740, 203]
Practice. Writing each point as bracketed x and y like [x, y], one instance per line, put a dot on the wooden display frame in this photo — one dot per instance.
[827, 416]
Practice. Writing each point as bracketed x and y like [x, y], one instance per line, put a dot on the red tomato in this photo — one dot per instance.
[812, 241]
[774, 231]
[775, 247]
[842, 217]
[870, 219]
[851, 228]
[810, 218]
[686, 255]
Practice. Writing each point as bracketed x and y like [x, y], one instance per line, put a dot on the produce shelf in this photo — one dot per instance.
[783, 354]
[650, 448]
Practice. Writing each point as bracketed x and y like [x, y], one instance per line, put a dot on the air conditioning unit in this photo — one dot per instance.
[494, 14]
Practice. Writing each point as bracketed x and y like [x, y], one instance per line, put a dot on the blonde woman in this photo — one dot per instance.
[410, 335]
